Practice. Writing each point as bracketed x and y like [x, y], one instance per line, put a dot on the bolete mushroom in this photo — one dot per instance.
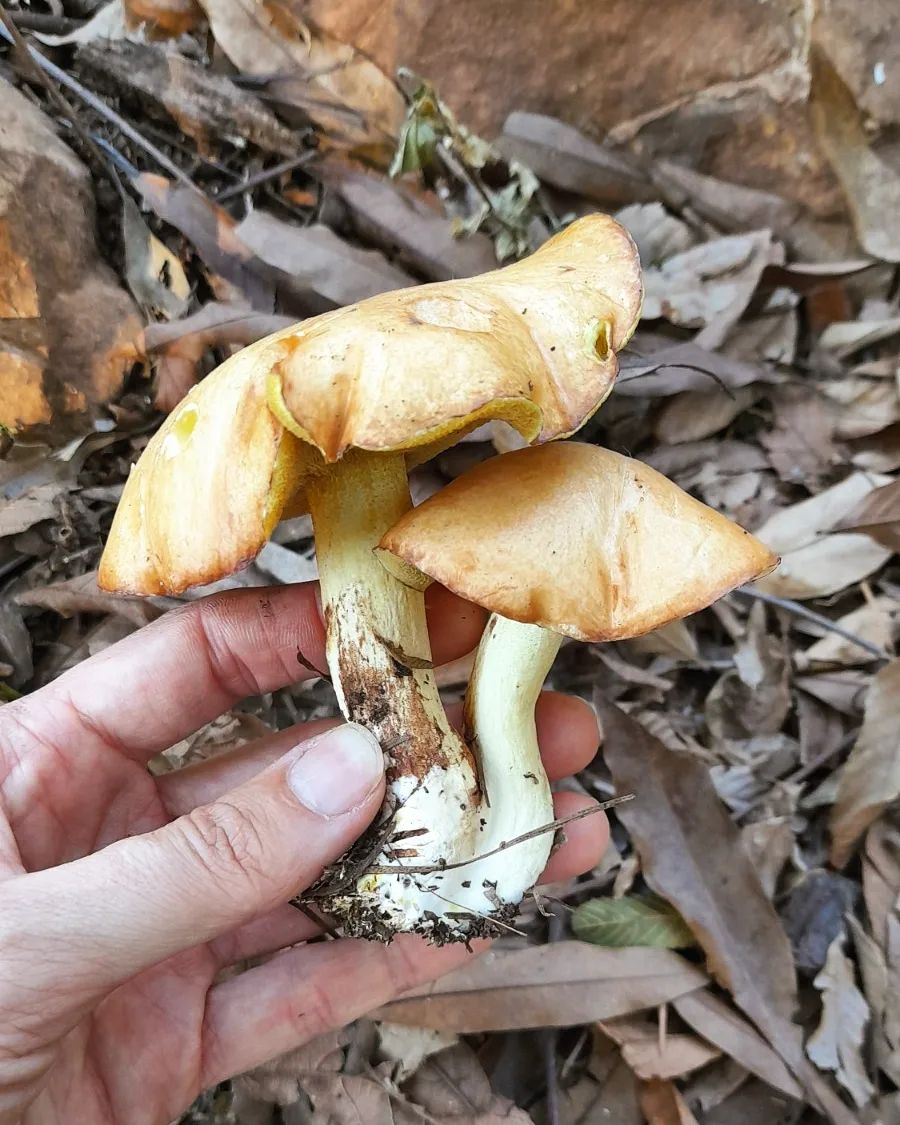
[326, 417]
[563, 540]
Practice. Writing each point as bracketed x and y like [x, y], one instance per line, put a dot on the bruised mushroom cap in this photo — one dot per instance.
[577, 539]
[533, 344]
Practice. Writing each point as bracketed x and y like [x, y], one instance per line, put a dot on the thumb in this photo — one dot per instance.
[143, 899]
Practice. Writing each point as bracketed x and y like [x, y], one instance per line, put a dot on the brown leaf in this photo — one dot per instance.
[691, 855]
[343, 91]
[324, 261]
[408, 225]
[212, 230]
[154, 274]
[81, 595]
[844, 691]
[871, 777]
[715, 1021]
[453, 1087]
[558, 985]
[875, 621]
[561, 155]
[878, 515]
[663, 1104]
[694, 415]
[871, 185]
[652, 1056]
[68, 333]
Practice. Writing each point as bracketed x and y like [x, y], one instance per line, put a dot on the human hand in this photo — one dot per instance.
[123, 896]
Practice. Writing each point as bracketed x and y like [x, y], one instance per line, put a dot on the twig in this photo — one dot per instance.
[652, 370]
[11, 34]
[266, 174]
[799, 610]
[45, 22]
[429, 868]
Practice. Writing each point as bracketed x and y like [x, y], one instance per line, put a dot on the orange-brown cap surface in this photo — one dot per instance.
[533, 344]
[578, 539]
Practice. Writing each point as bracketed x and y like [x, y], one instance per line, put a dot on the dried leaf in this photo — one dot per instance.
[694, 415]
[814, 562]
[212, 230]
[673, 823]
[81, 595]
[871, 778]
[769, 844]
[406, 1048]
[321, 259]
[731, 1033]
[663, 1104]
[618, 922]
[658, 234]
[558, 985]
[565, 157]
[286, 566]
[649, 1056]
[453, 1087]
[710, 285]
[343, 92]
[107, 24]
[878, 515]
[874, 621]
[29, 508]
[836, 1042]
[408, 225]
[655, 367]
[871, 185]
[154, 274]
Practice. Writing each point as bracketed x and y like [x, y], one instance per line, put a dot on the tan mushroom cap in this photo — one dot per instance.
[578, 539]
[533, 344]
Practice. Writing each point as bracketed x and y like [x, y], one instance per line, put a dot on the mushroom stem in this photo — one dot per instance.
[440, 809]
[380, 661]
[512, 663]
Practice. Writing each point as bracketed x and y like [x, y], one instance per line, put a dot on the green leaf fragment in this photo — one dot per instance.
[632, 921]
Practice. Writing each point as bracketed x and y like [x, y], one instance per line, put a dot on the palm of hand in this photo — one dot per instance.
[112, 1004]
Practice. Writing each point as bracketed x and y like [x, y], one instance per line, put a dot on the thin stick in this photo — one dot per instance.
[97, 104]
[428, 869]
[799, 610]
[266, 174]
[687, 367]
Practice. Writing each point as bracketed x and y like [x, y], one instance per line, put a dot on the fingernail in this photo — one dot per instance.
[337, 771]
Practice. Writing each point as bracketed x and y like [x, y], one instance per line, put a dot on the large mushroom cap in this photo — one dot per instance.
[577, 539]
[533, 344]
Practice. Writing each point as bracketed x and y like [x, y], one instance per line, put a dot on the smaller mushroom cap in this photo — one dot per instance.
[577, 539]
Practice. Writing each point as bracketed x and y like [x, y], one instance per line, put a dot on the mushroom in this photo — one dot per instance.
[326, 417]
[564, 540]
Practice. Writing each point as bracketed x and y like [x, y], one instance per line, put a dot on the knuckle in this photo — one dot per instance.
[227, 841]
[229, 672]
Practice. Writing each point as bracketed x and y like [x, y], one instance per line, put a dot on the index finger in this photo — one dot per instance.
[160, 684]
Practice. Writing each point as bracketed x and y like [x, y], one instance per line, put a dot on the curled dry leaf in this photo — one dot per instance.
[837, 1041]
[154, 274]
[875, 622]
[871, 778]
[651, 1055]
[453, 1088]
[558, 985]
